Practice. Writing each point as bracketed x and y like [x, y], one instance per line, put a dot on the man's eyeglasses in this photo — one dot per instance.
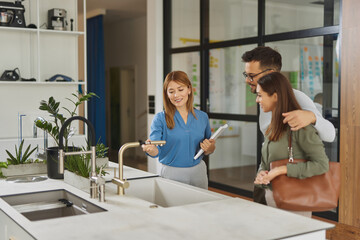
[252, 76]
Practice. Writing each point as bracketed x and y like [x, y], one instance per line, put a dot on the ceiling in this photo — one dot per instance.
[118, 10]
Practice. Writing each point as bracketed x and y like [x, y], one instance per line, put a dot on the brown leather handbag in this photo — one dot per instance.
[317, 193]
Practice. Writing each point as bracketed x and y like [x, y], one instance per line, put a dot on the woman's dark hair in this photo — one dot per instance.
[277, 83]
[266, 56]
[181, 78]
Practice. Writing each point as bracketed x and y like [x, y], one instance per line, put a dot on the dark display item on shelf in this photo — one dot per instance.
[59, 78]
[12, 14]
[10, 75]
[57, 19]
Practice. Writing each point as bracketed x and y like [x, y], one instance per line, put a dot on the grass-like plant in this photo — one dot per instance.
[81, 164]
[20, 156]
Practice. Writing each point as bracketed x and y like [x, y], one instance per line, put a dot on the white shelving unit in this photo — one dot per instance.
[41, 53]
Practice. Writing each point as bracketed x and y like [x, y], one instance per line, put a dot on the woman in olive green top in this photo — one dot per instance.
[274, 93]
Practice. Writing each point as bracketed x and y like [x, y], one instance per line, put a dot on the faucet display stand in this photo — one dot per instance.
[96, 182]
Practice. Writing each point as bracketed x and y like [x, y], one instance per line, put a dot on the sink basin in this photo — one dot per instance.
[50, 204]
[167, 193]
[26, 179]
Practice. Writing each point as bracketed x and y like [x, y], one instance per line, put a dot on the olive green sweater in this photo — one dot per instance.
[306, 144]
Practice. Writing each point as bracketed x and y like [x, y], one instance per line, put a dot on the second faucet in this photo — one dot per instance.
[121, 182]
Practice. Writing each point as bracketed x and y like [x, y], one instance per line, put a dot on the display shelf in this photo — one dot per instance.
[41, 53]
[18, 29]
[42, 31]
[49, 31]
[40, 83]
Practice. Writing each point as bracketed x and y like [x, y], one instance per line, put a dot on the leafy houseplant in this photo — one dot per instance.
[52, 107]
[53, 128]
[101, 150]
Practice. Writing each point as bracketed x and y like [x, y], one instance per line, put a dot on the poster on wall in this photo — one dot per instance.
[311, 69]
[193, 71]
[217, 84]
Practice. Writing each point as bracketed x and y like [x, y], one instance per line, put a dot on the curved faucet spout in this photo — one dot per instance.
[121, 182]
[67, 122]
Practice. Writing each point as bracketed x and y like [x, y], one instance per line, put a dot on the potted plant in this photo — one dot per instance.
[20, 163]
[53, 128]
[101, 154]
[78, 167]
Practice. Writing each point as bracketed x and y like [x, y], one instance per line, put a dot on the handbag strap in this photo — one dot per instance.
[290, 149]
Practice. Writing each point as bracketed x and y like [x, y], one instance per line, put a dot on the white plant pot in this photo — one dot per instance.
[24, 169]
[77, 181]
[80, 182]
[100, 162]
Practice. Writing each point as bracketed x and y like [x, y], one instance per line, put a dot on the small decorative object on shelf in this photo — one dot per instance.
[57, 19]
[12, 14]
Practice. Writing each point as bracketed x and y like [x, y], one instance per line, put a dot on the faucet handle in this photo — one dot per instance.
[120, 183]
[102, 192]
[98, 179]
[156, 143]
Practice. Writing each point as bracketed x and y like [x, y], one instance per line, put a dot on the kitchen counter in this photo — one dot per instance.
[131, 218]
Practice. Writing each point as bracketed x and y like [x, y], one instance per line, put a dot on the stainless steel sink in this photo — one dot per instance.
[26, 179]
[50, 204]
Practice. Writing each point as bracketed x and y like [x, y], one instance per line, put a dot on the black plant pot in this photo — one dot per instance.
[52, 158]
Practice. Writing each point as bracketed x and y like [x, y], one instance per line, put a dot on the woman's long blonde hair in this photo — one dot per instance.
[277, 83]
[181, 78]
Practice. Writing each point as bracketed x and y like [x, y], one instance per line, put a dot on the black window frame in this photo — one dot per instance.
[329, 31]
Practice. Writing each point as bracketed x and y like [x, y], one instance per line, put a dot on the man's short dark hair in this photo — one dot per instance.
[268, 57]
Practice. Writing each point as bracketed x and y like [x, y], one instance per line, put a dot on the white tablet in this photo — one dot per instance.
[214, 136]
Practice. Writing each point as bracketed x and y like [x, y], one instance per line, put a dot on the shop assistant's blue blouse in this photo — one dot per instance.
[183, 141]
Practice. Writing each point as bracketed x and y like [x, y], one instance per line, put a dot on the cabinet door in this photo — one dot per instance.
[9, 229]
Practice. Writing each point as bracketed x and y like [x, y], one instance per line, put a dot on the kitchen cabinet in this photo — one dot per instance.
[38, 54]
[10, 230]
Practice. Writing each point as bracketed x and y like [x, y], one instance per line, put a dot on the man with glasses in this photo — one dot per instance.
[263, 60]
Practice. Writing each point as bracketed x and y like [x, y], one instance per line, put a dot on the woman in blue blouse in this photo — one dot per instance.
[185, 131]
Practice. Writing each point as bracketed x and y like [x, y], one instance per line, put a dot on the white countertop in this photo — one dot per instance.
[131, 218]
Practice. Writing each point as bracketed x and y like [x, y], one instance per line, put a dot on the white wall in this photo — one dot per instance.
[125, 46]
[9, 144]
[25, 99]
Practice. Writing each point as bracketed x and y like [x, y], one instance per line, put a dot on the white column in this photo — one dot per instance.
[154, 63]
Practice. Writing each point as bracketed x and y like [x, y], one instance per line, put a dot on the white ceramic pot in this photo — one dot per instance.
[77, 181]
[24, 169]
[100, 162]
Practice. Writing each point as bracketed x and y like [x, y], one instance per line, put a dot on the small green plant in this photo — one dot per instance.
[81, 164]
[101, 149]
[2, 165]
[52, 107]
[20, 156]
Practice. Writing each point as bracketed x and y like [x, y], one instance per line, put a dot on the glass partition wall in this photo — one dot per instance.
[206, 39]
